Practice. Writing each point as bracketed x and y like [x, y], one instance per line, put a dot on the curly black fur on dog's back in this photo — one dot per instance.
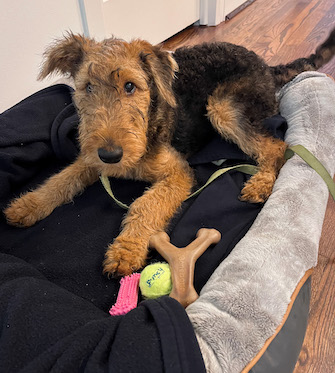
[201, 70]
[242, 75]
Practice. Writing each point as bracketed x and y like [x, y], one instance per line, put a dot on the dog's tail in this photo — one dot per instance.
[324, 53]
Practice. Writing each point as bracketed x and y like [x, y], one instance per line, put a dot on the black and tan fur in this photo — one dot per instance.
[143, 111]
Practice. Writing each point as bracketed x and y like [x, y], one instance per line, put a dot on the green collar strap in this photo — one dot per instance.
[249, 169]
[107, 185]
[314, 163]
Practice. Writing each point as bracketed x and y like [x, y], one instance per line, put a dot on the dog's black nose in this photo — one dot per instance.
[110, 156]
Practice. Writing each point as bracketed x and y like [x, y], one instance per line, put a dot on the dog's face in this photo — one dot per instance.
[118, 86]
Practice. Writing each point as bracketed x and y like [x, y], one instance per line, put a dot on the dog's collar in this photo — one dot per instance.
[245, 168]
[249, 169]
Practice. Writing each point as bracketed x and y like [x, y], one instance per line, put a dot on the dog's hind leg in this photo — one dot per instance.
[269, 154]
[230, 121]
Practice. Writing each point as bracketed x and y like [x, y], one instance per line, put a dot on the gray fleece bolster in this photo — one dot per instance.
[247, 296]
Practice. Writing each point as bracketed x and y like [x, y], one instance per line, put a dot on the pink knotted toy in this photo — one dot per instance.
[128, 295]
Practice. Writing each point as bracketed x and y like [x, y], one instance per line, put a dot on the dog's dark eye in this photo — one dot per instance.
[129, 88]
[89, 88]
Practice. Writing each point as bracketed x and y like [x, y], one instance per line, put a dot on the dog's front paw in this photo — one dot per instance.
[26, 210]
[125, 256]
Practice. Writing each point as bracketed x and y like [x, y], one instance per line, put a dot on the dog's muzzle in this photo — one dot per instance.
[111, 156]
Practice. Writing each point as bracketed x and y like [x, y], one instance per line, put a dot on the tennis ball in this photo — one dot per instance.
[155, 280]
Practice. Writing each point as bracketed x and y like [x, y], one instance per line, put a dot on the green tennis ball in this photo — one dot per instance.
[156, 280]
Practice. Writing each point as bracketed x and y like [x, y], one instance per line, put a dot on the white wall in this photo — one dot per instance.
[231, 5]
[213, 12]
[152, 20]
[26, 28]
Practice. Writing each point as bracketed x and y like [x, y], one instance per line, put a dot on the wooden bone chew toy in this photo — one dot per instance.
[182, 261]
[181, 266]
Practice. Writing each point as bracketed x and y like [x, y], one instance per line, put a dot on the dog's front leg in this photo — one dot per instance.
[57, 190]
[172, 182]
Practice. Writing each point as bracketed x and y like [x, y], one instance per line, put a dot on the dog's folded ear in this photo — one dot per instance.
[64, 56]
[161, 67]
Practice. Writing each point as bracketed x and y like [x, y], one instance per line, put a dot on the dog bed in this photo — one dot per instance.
[54, 300]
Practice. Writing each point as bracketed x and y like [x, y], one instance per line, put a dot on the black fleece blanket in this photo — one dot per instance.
[54, 300]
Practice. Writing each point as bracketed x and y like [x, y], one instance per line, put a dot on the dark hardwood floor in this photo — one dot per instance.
[280, 31]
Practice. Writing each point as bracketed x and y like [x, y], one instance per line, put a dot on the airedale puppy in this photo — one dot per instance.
[143, 111]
